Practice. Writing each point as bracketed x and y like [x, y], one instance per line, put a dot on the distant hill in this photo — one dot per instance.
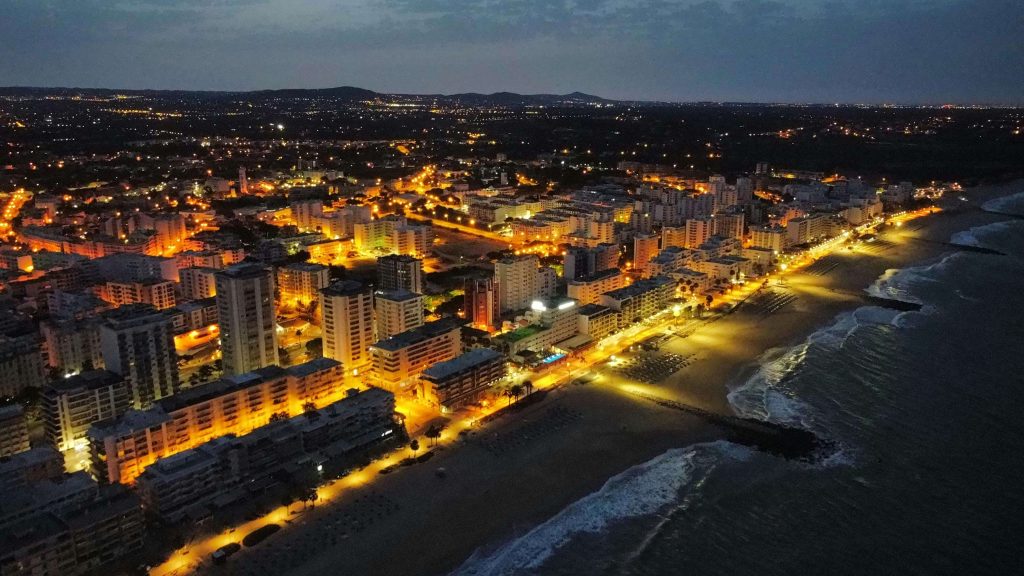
[346, 93]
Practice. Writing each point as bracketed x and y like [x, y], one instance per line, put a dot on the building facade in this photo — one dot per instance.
[247, 317]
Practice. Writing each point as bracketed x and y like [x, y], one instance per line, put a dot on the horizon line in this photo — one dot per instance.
[882, 104]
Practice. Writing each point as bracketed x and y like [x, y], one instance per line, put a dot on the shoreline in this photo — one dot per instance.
[519, 472]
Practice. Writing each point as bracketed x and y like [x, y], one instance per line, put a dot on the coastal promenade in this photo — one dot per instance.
[573, 439]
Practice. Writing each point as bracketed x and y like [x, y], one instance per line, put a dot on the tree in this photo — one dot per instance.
[433, 432]
[516, 391]
[310, 495]
[709, 299]
[414, 446]
[528, 386]
[309, 408]
[315, 348]
[508, 394]
[278, 416]
[205, 372]
[287, 500]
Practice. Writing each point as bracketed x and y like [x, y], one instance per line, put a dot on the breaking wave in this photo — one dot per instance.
[640, 491]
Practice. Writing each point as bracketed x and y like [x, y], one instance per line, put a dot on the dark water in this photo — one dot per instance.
[928, 408]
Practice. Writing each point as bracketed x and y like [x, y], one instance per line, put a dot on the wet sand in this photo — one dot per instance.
[517, 472]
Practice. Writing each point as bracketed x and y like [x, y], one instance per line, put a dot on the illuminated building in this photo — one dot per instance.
[400, 272]
[198, 283]
[645, 247]
[550, 322]
[518, 281]
[698, 230]
[582, 262]
[122, 448]
[399, 360]
[596, 321]
[806, 229]
[462, 380]
[71, 405]
[220, 470]
[158, 293]
[137, 344]
[769, 237]
[347, 322]
[481, 303]
[300, 283]
[729, 224]
[396, 311]
[640, 300]
[130, 267]
[247, 316]
[673, 236]
[71, 345]
[588, 290]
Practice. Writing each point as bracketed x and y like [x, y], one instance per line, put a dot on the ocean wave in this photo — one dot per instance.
[764, 395]
[899, 283]
[1012, 204]
[992, 236]
[640, 491]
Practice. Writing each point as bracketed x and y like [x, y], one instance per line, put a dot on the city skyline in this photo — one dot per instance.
[951, 51]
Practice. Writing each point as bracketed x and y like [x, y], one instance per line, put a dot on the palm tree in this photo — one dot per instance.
[508, 394]
[528, 385]
[433, 433]
[516, 391]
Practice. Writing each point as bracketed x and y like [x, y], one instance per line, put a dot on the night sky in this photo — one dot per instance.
[871, 51]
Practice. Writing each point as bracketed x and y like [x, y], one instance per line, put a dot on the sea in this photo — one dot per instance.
[926, 409]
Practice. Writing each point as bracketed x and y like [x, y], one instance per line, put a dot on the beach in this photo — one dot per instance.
[514, 474]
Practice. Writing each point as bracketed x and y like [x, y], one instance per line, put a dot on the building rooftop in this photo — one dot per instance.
[311, 367]
[398, 258]
[11, 411]
[132, 315]
[592, 310]
[244, 270]
[305, 267]
[474, 357]
[520, 333]
[345, 288]
[420, 333]
[639, 287]
[603, 274]
[89, 380]
[397, 295]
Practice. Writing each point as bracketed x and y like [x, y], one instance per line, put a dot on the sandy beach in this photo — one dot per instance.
[521, 470]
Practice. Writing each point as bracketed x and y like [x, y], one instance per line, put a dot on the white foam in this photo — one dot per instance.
[764, 395]
[898, 283]
[640, 491]
[1012, 204]
[763, 398]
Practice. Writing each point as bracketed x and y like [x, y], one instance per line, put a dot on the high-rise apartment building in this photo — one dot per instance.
[300, 283]
[645, 247]
[247, 318]
[698, 230]
[347, 323]
[481, 303]
[138, 345]
[397, 272]
[517, 279]
[396, 311]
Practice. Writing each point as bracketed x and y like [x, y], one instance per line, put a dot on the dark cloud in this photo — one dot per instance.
[752, 50]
